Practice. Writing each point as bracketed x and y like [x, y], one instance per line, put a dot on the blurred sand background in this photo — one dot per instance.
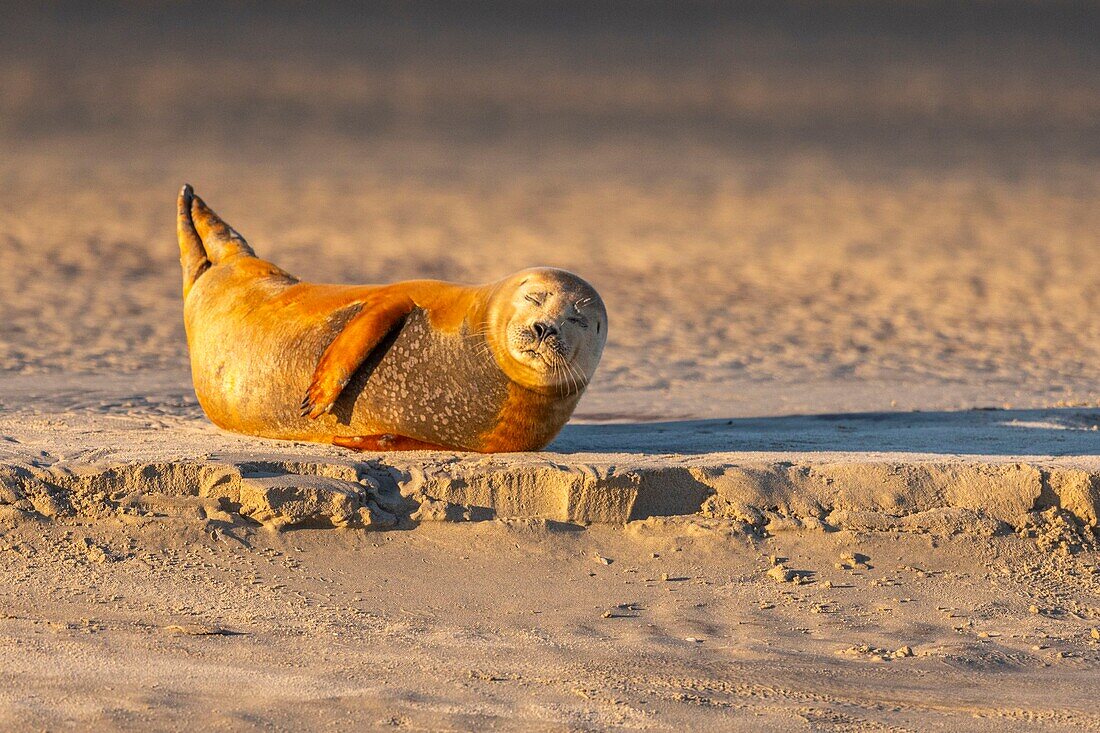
[787, 208]
[790, 208]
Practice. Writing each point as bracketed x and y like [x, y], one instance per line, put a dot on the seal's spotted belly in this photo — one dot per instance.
[440, 388]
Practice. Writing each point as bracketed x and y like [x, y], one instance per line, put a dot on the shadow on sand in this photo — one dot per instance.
[1046, 432]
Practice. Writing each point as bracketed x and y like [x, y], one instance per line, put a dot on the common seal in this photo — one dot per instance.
[410, 365]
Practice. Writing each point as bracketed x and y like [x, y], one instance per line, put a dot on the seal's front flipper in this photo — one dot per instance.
[193, 258]
[384, 442]
[350, 349]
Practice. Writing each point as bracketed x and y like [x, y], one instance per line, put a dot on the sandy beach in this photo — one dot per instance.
[839, 468]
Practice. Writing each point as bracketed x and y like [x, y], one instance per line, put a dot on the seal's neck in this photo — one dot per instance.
[528, 420]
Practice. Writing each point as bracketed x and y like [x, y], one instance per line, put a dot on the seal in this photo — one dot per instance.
[420, 364]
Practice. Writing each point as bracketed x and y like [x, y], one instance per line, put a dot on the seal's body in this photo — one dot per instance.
[417, 364]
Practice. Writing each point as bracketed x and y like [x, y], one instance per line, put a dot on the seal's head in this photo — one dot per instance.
[548, 328]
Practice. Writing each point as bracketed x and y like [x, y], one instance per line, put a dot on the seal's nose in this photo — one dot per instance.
[542, 331]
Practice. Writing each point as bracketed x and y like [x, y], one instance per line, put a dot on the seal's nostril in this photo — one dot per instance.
[542, 330]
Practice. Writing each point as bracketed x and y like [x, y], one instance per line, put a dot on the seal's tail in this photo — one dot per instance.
[218, 238]
[193, 258]
[205, 239]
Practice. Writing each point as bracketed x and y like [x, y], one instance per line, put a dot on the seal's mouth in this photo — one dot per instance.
[546, 355]
[541, 344]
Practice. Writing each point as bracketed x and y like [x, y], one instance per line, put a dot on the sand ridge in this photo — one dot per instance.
[128, 446]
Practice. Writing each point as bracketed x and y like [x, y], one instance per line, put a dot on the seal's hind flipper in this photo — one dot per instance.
[219, 239]
[351, 347]
[193, 258]
[384, 442]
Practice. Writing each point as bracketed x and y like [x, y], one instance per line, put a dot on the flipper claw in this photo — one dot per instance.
[319, 401]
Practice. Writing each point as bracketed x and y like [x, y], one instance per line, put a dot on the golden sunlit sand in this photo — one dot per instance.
[838, 470]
